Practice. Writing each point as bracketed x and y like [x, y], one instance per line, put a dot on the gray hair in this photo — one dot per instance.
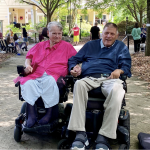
[111, 24]
[96, 23]
[54, 23]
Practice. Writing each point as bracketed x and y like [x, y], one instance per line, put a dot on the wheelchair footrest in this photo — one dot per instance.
[123, 134]
[48, 128]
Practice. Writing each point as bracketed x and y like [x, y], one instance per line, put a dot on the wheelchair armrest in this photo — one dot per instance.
[70, 81]
[17, 84]
[123, 77]
[20, 70]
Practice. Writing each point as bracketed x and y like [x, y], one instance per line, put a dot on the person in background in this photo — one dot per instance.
[95, 32]
[15, 37]
[19, 39]
[76, 34]
[20, 44]
[41, 37]
[1, 37]
[136, 33]
[11, 33]
[143, 35]
[9, 40]
[25, 37]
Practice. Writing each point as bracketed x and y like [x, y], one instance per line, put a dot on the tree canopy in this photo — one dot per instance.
[48, 7]
[135, 8]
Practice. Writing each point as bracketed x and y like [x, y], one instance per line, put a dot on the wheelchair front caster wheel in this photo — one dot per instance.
[64, 144]
[17, 134]
[123, 147]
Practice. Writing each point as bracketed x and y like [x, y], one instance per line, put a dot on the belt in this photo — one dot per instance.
[99, 75]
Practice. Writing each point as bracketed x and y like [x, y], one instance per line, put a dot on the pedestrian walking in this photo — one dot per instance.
[143, 36]
[136, 33]
[95, 32]
[25, 37]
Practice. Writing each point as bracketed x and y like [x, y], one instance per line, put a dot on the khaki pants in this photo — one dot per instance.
[114, 92]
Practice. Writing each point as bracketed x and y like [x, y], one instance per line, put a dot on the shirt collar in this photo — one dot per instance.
[102, 45]
[47, 45]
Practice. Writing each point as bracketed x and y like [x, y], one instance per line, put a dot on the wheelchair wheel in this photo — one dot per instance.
[23, 108]
[64, 144]
[123, 147]
[17, 134]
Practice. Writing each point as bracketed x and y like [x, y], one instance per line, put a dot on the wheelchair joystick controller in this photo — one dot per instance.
[20, 70]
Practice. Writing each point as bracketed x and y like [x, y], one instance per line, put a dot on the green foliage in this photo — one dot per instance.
[122, 27]
[84, 11]
[28, 27]
[85, 28]
[99, 15]
[14, 29]
[65, 28]
[18, 30]
[42, 24]
[85, 33]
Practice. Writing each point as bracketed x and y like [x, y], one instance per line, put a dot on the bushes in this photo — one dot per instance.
[85, 33]
[122, 27]
[85, 29]
[14, 29]
[41, 24]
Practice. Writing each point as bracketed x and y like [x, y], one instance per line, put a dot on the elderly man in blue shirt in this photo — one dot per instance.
[99, 62]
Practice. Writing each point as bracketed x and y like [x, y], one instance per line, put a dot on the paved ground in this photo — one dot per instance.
[137, 98]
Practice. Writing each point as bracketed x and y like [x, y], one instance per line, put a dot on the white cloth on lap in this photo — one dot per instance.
[45, 86]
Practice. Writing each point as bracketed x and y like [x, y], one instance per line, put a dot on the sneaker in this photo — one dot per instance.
[79, 143]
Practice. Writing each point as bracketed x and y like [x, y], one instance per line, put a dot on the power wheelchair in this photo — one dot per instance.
[55, 126]
[94, 117]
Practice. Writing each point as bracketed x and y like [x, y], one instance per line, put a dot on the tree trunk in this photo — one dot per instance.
[147, 51]
[48, 17]
[141, 14]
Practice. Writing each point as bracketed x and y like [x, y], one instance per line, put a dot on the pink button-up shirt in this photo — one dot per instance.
[53, 61]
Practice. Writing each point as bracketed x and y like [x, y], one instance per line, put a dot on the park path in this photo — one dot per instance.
[137, 99]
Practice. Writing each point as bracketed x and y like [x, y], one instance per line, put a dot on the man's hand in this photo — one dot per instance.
[28, 69]
[76, 71]
[116, 74]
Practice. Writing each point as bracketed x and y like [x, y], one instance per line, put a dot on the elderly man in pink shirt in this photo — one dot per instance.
[45, 63]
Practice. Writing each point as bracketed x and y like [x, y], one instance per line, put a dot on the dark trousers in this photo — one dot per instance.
[137, 45]
[143, 41]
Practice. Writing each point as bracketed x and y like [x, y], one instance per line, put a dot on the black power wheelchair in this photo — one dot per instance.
[94, 117]
[55, 126]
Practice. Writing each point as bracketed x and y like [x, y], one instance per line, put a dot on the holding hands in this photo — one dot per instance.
[76, 71]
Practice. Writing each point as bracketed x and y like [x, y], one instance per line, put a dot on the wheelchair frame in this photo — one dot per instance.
[123, 130]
